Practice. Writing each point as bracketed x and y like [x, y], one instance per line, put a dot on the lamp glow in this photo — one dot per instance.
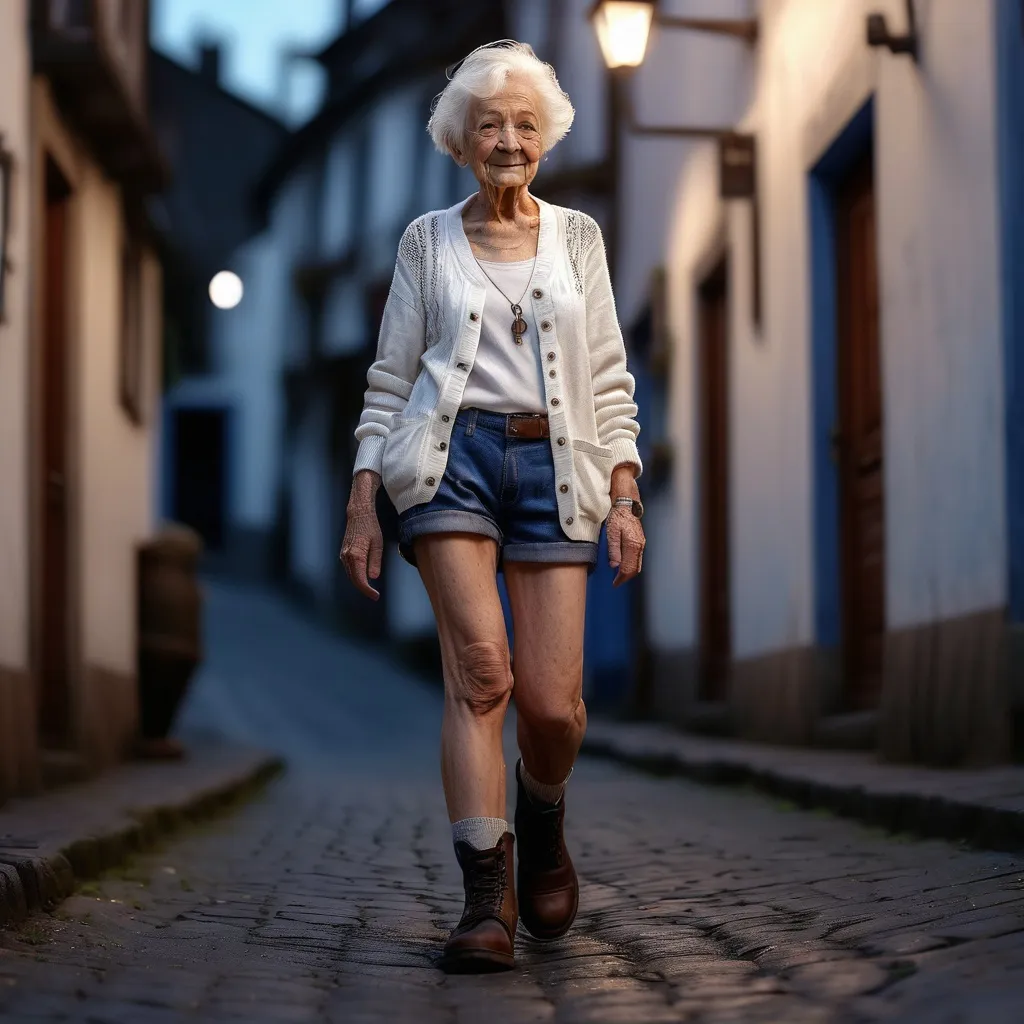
[226, 290]
[623, 28]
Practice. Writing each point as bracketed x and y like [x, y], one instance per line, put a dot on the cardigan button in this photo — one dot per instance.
[474, 317]
[551, 373]
[462, 366]
[537, 293]
[443, 445]
[564, 488]
[555, 401]
[445, 419]
[568, 521]
[551, 357]
[545, 325]
[430, 481]
[561, 440]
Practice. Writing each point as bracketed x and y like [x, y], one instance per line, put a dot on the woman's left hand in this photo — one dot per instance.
[626, 540]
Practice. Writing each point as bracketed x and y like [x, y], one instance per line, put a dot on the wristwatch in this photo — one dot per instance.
[635, 504]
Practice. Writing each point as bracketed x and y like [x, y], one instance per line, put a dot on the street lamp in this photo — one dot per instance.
[226, 290]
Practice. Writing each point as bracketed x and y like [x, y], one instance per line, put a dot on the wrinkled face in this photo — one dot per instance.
[503, 137]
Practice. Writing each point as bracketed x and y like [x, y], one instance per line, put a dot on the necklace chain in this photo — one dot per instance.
[519, 325]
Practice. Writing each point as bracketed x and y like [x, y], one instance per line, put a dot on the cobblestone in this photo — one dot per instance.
[329, 897]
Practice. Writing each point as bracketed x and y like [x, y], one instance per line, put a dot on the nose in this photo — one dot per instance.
[508, 138]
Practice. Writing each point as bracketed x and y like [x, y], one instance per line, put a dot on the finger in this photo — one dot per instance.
[631, 559]
[356, 564]
[614, 531]
[376, 556]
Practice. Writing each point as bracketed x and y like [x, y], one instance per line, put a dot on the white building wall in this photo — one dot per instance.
[943, 363]
[312, 556]
[14, 343]
[396, 141]
[338, 219]
[115, 454]
[939, 321]
[250, 340]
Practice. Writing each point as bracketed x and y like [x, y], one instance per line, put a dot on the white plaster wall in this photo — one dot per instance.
[408, 607]
[115, 455]
[311, 530]
[938, 241]
[338, 218]
[14, 342]
[250, 341]
[939, 322]
[396, 140]
[344, 316]
[294, 239]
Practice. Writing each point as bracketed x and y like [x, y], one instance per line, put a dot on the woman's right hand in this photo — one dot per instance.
[362, 550]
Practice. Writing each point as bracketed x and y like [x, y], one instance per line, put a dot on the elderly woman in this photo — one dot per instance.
[500, 418]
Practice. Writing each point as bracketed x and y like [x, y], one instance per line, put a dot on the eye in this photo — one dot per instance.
[527, 126]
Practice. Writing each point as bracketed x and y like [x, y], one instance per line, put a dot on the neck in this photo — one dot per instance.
[506, 204]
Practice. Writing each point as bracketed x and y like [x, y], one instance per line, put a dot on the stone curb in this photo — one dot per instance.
[42, 879]
[896, 808]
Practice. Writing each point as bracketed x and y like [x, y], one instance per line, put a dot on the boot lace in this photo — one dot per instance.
[485, 889]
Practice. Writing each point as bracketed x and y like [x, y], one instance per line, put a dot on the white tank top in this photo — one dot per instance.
[506, 377]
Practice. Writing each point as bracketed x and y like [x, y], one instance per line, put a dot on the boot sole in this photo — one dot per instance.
[476, 961]
[549, 935]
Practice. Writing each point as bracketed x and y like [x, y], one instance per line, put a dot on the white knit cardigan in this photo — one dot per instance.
[428, 341]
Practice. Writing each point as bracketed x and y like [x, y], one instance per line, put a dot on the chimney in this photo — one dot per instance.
[209, 62]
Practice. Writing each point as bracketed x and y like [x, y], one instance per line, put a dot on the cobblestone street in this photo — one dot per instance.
[329, 896]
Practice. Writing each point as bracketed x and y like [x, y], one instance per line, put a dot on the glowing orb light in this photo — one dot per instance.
[226, 290]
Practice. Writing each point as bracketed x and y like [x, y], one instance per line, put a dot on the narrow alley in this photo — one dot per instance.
[329, 896]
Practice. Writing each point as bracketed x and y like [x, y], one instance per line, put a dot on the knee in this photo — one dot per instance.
[554, 718]
[483, 678]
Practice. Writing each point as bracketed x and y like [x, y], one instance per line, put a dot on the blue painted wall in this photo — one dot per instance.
[852, 143]
[1010, 129]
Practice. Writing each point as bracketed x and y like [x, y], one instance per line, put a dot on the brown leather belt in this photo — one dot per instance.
[530, 426]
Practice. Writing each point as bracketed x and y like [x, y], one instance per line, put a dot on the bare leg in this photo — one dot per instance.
[458, 571]
[548, 607]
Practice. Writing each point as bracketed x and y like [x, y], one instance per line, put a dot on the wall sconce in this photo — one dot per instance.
[623, 29]
[624, 26]
[6, 166]
[878, 33]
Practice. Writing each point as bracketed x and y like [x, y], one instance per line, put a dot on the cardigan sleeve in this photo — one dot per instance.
[400, 344]
[614, 385]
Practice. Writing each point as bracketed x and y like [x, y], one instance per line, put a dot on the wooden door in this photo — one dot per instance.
[54, 689]
[713, 404]
[860, 447]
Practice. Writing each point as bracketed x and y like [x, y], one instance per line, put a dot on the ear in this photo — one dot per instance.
[458, 157]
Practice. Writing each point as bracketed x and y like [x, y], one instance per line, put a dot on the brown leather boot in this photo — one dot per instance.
[549, 891]
[484, 940]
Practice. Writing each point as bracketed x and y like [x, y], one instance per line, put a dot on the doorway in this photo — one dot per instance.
[54, 693]
[859, 440]
[713, 428]
[200, 473]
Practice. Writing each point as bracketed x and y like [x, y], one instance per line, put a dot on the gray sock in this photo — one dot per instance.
[480, 833]
[541, 791]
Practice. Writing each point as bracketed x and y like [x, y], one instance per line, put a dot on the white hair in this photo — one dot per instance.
[482, 75]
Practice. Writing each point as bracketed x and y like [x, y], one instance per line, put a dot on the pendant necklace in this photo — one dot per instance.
[519, 326]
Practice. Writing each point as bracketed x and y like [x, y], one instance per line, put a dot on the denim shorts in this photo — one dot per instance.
[500, 487]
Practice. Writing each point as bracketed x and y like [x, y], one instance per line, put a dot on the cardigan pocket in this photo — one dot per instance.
[593, 465]
[400, 464]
